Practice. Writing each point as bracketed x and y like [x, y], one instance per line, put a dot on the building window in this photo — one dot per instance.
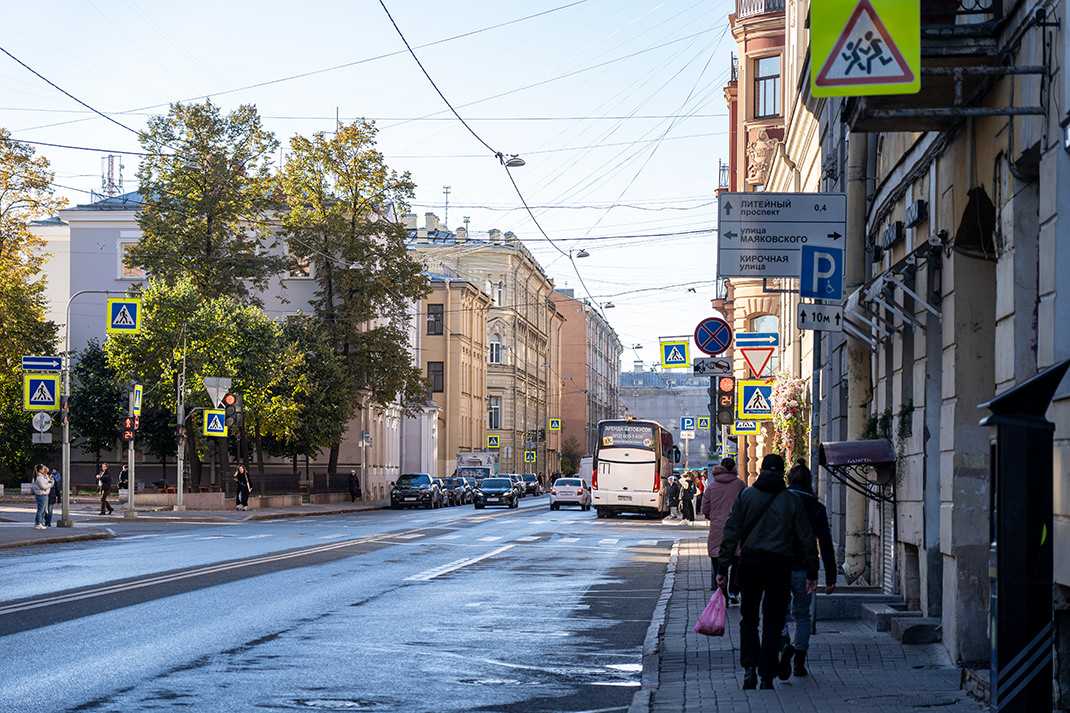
[499, 293]
[494, 412]
[434, 319]
[436, 374]
[495, 349]
[128, 272]
[768, 324]
[767, 87]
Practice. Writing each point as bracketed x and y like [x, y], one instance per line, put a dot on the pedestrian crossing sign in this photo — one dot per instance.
[865, 47]
[754, 400]
[215, 423]
[40, 392]
[492, 441]
[746, 428]
[674, 354]
[138, 389]
[703, 423]
[555, 424]
[124, 316]
[529, 456]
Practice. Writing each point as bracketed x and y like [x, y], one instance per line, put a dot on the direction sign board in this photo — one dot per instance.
[754, 400]
[822, 273]
[492, 442]
[713, 335]
[703, 423]
[555, 424]
[138, 390]
[40, 392]
[762, 234]
[687, 423]
[124, 316]
[714, 366]
[823, 318]
[757, 339]
[215, 423]
[42, 363]
[746, 428]
[674, 353]
[865, 47]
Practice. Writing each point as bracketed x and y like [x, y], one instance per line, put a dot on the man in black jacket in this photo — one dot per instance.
[774, 530]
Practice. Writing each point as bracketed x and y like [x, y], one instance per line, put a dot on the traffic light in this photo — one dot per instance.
[232, 410]
[64, 410]
[726, 400]
[181, 434]
[128, 428]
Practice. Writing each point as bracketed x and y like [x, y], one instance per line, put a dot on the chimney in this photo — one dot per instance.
[495, 235]
[511, 239]
[462, 235]
[431, 221]
[637, 367]
[410, 221]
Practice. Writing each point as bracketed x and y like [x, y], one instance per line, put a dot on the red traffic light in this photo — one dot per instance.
[129, 423]
[230, 399]
[726, 383]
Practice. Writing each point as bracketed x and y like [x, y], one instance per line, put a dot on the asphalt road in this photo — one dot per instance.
[455, 609]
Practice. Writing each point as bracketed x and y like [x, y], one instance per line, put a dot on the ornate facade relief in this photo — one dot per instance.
[759, 156]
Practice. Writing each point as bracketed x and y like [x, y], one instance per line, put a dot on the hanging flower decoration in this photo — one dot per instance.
[791, 418]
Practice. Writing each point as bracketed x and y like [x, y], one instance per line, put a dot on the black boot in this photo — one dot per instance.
[784, 669]
[750, 678]
[800, 663]
[767, 683]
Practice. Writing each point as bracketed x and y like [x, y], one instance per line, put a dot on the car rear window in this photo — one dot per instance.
[567, 481]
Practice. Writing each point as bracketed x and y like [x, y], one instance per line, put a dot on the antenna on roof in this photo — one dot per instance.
[446, 217]
[110, 184]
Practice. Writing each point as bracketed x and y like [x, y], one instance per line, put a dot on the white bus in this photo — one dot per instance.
[632, 463]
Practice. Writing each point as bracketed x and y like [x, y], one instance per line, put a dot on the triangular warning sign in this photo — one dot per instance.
[757, 358]
[758, 403]
[215, 424]
[42, 395]
[674, 356]
[123, 318]
[865, 53]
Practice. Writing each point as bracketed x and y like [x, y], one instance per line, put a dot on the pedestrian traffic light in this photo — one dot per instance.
[64, 410]
[726, 400]
[232, 410]
[128, 428]
[181, 434]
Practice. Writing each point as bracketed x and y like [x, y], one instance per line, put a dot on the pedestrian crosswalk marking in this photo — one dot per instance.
[609, 541]
[570, 539]
[450, 537]
[490, 538]
[410, 536]
[530, 538]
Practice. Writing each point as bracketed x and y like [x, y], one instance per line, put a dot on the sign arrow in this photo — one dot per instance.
[42, 363]
[731, 234]
[834, 235]
[728, 208]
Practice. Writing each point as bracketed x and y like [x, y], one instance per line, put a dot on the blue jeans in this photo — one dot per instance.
[42, 509]
[800, 612]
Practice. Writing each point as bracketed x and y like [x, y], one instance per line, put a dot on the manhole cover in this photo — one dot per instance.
[905, 700]
[335, 704]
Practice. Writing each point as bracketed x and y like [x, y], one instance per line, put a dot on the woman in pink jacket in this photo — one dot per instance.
[722, 487]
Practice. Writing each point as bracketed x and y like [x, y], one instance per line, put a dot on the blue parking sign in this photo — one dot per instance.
[822, 273]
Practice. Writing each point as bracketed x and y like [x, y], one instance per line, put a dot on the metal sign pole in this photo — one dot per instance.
[130, 466]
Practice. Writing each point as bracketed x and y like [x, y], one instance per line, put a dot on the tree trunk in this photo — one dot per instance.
[332, 461]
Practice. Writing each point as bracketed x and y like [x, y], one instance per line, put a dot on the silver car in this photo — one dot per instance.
[570, 491]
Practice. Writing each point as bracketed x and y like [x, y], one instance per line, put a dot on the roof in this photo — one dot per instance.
[126, 201]
[660, 380]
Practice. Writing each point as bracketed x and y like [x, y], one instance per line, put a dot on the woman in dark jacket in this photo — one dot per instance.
[800, 484]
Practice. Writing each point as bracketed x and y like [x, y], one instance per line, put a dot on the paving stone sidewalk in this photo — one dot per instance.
[852, 667]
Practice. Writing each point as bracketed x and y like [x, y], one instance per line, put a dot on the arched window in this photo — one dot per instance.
[769, 324]
[495, 349]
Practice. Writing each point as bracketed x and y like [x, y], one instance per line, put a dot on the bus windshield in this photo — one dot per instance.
[626, 434]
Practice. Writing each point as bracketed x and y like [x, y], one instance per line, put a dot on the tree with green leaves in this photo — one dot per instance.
[341, 218]
[99, 400]
[25, 195]
[571, 454]
[208, 191]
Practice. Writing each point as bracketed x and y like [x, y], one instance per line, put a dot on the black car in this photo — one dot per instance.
[455, 491]
[414, 490]
[531, 484]
[495, 491]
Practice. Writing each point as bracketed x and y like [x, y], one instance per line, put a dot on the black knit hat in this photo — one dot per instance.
[773, 462]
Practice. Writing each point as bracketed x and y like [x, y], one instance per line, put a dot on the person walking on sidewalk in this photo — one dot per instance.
[41, 485]
[104, 480]
[722, 488]
[771, 528]
[687, 499]
[800, 484]
[674, 498]
[241, 477]
[354, 486]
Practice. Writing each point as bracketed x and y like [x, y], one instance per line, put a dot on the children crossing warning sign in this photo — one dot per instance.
[865, 48]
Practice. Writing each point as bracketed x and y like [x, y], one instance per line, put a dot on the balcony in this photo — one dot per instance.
[750, 8]
[960, 64]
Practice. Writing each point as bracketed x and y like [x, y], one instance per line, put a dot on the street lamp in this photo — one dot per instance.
[511, 161]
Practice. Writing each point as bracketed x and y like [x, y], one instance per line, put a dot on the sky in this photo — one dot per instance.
[616, 106]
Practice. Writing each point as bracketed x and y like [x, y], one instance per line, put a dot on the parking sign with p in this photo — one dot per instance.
[822, 273]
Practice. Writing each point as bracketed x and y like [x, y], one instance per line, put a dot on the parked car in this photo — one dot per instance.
[496, 491]
[469, 488]
[570, 491]
[531, 484]
[518, 484]
[455, 491]
[414, 490]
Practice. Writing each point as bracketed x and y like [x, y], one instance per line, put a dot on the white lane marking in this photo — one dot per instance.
[454, 566]
[449, 537]
[648, 543]
[321, 537]
[411, 536]
[529, 538]
[570, 539]
[491, 538]
[609, 541]
[173, 577]
[176, 537]
[138, 537]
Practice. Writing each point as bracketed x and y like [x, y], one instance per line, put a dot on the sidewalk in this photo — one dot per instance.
[852, 667]
[17, 516]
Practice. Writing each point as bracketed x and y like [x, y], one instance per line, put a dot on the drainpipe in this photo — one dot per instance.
[858, 388]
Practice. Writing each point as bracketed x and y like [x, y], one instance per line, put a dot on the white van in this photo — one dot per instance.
[586, 469]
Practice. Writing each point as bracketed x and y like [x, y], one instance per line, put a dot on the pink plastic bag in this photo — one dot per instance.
[711, 621]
